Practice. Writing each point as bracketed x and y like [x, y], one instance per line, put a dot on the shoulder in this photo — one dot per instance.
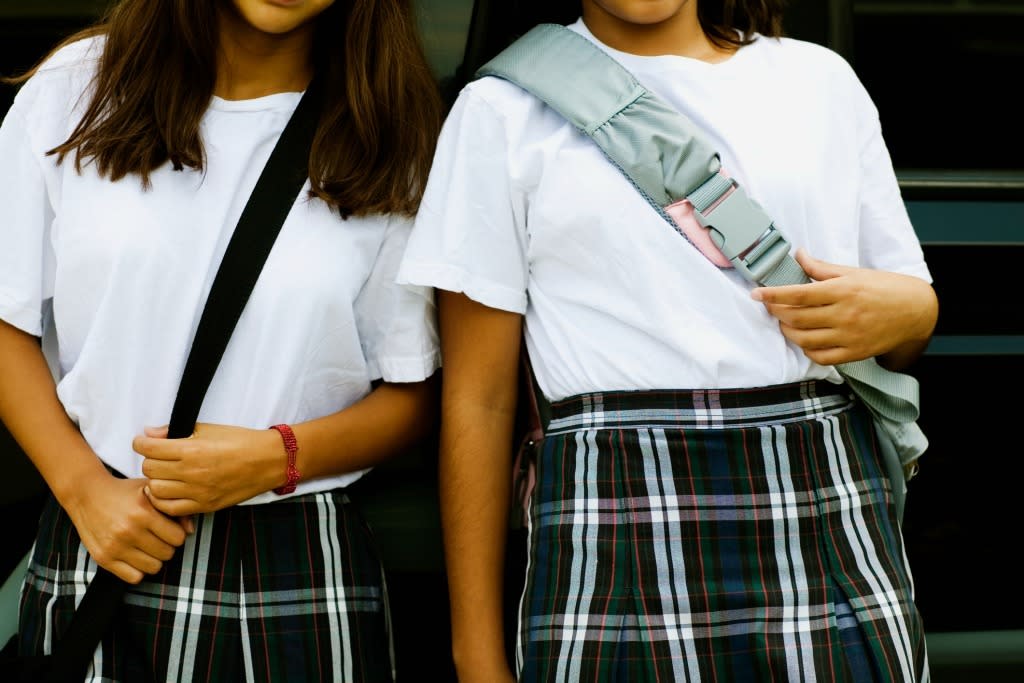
[490, 106]
[804, 58]
[816, 70]
[504, 98]
[61, 85]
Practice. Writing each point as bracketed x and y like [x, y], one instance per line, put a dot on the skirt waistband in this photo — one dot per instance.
[700, 408]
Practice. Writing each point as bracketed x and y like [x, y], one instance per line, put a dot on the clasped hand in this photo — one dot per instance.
[218, 466]
[847, 314]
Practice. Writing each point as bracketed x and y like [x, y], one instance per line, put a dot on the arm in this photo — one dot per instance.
[117, 525]
[222, 465]
[848, 314]
[480, 348]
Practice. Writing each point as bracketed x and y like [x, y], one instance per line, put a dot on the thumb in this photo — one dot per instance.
[817, 269]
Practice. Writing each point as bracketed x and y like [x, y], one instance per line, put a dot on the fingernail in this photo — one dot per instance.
[756, 295]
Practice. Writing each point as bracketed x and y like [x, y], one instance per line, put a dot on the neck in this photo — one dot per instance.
[654, 32]
[251, 63]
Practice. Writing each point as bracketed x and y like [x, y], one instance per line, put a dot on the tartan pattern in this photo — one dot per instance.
[716, 535]
[284, 591]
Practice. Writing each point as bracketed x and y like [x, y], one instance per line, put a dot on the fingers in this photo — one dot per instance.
[134, 565]
[810, 294]
[124, 571]
[188, 524]
[805, 317]
[821, 345]
[153, 443]
[152, 550]
[831, 356]
[178, 507]
[160, 448]
[156, 432]
[816, 293]
[812, 339]
[163, 496]
[818, 269]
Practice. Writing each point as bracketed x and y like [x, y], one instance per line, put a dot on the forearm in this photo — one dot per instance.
[920, 320]
[475, 471]
[480, 347]
[31, 411]
[391, 418]
[222, 465]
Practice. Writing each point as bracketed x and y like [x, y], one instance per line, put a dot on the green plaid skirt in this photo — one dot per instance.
[284, 591]
[727, 535]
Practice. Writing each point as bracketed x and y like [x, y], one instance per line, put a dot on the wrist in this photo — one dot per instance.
[78, 481]
[291, 448]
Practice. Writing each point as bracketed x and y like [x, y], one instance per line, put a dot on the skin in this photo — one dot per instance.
[845, 314]
[123, 532]
[480, 350]
[849, 314]
[132, 526]
[265, 47]
[651, 28]
[221, 465]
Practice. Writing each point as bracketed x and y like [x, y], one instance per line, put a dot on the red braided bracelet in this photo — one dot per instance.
[291, 447]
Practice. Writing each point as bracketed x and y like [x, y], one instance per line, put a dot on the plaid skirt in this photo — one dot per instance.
[725, 535]
[285, 591]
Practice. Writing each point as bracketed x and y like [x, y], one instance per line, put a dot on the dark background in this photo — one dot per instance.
[945, 77]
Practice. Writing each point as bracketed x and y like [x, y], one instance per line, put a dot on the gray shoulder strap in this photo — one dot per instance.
[659, 149]
[665, 156]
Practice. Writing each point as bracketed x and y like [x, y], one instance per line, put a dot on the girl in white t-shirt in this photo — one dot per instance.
[125, 162]
[710, 503]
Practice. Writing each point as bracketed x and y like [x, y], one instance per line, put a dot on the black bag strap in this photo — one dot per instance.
[269, 204]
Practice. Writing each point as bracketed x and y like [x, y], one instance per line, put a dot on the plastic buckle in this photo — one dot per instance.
[744, 233]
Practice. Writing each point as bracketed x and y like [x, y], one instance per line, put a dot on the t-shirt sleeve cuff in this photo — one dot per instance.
[454, 279]
[405, 368]
[25, 318]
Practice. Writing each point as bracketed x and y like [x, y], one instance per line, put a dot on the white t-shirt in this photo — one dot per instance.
[122, 274]
[524, 213]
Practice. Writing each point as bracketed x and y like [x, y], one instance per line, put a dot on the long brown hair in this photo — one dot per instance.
[378, 126]
[721, 19]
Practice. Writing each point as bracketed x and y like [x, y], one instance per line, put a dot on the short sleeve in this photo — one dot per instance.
[887, 237]
[27, 260]
[469, 234]
[397, 324]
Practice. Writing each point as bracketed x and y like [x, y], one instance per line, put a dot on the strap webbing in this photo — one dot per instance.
[664, 155]
[276, 189]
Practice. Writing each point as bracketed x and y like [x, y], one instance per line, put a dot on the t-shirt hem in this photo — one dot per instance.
[453, 279]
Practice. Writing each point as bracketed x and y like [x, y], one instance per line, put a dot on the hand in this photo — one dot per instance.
[218, 466]
[121, 529]
[848, 314]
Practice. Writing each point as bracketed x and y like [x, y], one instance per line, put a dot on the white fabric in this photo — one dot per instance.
[523, 213]
[127, 272]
